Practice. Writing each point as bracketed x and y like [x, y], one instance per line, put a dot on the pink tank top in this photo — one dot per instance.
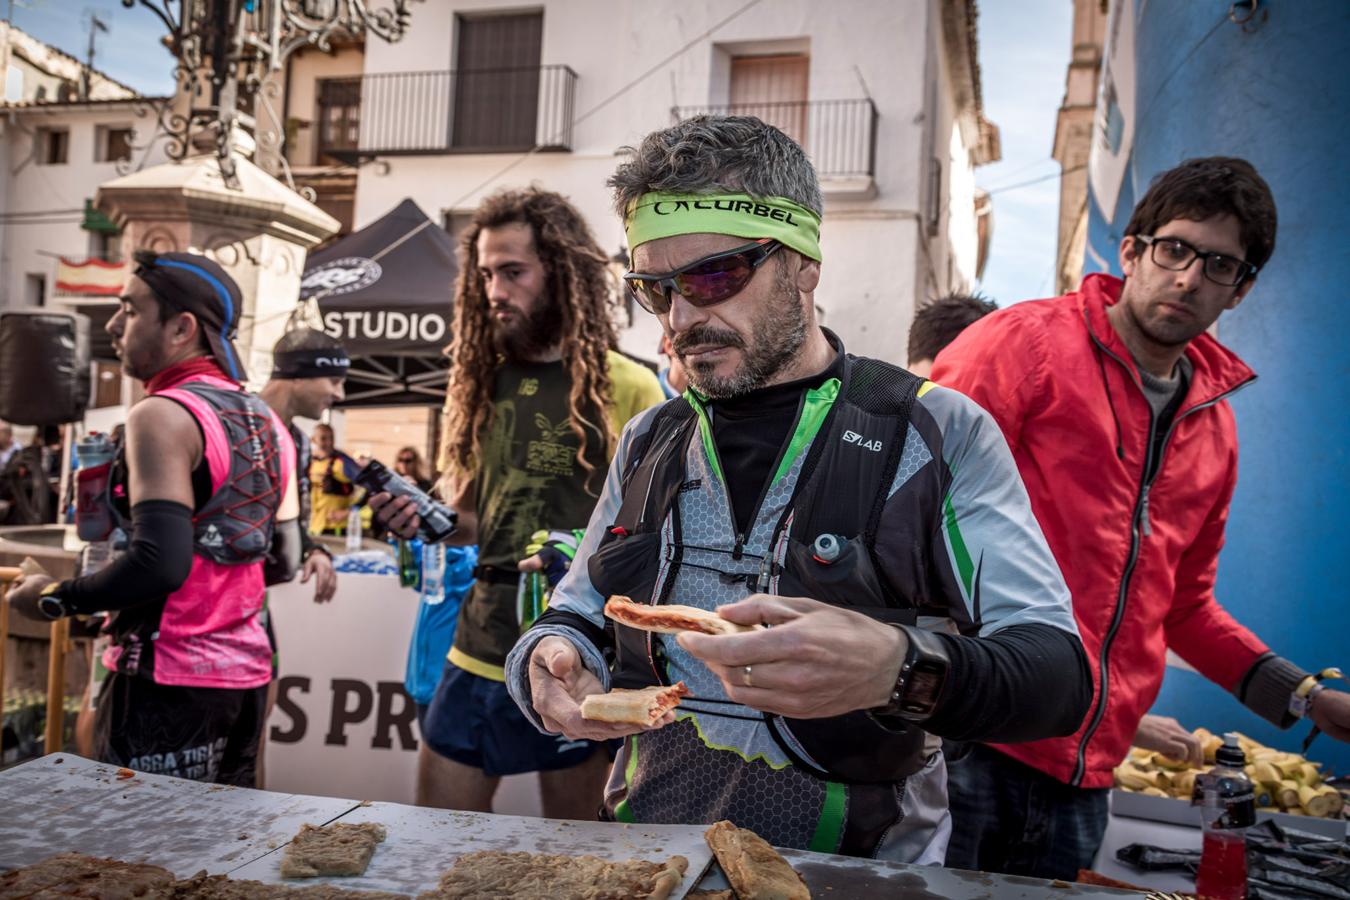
[209, 633]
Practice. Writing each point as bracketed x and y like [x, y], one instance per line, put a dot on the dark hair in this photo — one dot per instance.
[578, 281]
[937, 323]
[306, 339]
[1201, 188]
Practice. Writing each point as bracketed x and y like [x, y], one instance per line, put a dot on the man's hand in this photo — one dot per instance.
[1331, 713]
[819, 660]
[1165, 735]
[558, 684]
[398, 514]
[23, 597]
[320, 567]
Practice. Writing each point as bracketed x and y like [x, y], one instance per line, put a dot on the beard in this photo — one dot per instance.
[776, 334]
[537, 331]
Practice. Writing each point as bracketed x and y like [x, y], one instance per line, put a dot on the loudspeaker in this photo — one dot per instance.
[44, 367]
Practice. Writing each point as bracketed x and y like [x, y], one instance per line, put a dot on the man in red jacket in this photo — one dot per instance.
[1113, 400]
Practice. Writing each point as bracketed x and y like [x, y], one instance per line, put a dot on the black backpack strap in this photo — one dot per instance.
[649, 483]
[846, 477]
[884, 390]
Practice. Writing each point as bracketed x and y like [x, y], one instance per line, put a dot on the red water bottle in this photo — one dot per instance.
[1227, 808]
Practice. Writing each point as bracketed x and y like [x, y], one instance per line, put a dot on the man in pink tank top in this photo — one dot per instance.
[204, 476]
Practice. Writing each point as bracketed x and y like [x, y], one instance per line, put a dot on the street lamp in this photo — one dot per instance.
[226, 49]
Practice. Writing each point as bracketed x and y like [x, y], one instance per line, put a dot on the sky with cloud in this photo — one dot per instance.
[1024, 57]
[1024, 54]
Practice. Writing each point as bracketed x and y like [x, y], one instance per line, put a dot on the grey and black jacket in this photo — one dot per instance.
[953, 549]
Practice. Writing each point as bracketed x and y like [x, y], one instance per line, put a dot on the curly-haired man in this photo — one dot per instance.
[537, 398]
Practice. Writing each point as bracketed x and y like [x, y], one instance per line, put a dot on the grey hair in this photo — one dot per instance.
[711, 154]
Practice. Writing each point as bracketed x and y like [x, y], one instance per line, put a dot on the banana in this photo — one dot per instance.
[1156, 792]
[1139, 754]
[1336, 801]
[1314, 802]
[1265, 774]
[1132, 778]
[1287, 794]
[1211, 747]
[1310, 774]
[1167, 762]
[1183, 785]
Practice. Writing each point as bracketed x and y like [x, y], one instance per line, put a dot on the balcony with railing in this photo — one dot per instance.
[478, 111]
[840, 136]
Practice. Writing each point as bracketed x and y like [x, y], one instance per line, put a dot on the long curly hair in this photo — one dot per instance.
[578, 278]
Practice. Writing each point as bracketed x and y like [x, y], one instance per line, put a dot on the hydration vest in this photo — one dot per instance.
[840, 490]
[235, 526]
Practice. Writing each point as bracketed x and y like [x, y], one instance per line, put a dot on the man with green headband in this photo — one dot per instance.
[873, 520]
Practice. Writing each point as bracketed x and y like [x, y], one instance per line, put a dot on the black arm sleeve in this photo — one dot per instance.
[156, 563]
[1022, 683]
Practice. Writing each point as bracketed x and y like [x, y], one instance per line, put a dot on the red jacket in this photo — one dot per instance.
[1139, 558]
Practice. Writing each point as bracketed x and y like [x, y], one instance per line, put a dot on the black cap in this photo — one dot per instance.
[193, 283]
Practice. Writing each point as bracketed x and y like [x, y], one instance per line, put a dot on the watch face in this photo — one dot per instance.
[51, 606]
[921, 692]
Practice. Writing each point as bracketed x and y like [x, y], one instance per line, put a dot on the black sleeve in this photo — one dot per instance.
[156, 563]
[1022, 683]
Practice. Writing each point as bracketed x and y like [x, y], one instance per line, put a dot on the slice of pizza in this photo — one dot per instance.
[756, 870]
[338, 849]
[634, 707]
[76, 875]
[671, 618]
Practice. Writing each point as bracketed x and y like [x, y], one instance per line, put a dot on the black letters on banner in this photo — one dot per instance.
[341, 716]
[386, 720]
[285, 704]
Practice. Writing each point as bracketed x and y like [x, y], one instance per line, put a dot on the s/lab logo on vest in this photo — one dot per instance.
[341, 276]
[852, 437]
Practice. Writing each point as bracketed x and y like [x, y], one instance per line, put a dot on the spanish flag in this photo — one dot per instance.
[91, 277]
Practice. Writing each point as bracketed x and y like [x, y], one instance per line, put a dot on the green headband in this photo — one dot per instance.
[658, 215]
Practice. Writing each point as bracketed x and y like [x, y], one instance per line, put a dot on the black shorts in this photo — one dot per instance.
[204, 734]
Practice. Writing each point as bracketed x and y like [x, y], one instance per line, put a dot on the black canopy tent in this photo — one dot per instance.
[386, 291]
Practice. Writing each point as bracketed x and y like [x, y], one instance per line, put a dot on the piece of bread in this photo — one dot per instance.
[634, 707]
[220, 887]
[338, 849]
[671, 618]
[87, 877]
[756, 870]
[494, 874]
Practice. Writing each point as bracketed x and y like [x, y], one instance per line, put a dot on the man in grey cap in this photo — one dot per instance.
[199, 487]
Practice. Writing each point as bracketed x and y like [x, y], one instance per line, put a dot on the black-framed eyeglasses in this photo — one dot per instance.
[407, 459]
[1176, 255]
[705, 281]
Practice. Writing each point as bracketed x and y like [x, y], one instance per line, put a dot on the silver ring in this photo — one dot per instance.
[748, 682]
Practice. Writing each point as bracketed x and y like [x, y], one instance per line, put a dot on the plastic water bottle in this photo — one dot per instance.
[1227, 808]
[93, 518]
[433, 573]
[354, 530]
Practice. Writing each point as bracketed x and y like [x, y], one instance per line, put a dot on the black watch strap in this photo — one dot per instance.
[923, 674]
[52, 605]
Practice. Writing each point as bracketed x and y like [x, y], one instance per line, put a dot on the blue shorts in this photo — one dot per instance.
[474, 721]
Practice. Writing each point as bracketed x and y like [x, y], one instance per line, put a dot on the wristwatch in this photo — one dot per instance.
[922, 677]
[51, 604]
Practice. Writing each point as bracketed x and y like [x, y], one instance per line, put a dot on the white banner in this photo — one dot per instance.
[343, 725]
[1113, 124]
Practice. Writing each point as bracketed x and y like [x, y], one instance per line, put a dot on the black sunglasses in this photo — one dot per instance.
[1176, 255]
[705, 281]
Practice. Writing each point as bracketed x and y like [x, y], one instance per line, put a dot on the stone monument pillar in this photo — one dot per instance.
[259, 234]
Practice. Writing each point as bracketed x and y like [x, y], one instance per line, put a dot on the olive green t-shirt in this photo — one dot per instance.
[529, 478]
